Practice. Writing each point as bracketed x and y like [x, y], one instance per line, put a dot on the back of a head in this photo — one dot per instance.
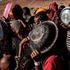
[42, 16]
[62, 6]
[17, 11]
[26, 11]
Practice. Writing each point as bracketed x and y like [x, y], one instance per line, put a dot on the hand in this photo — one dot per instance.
[35, 55]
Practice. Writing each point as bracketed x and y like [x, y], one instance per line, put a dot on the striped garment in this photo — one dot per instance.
[68, 40]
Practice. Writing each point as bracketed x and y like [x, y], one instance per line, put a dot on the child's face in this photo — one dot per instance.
[37, 20]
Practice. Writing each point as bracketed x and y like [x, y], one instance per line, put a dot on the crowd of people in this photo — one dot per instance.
[15, 53]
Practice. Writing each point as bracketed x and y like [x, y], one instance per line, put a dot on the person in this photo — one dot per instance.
[54, 7]
[5, 47]
[59, 12]
[20, 30]
[50, 14]
[26, 13]
[19, 18]
[67, 26]
[55, 58]
[28, 17]
[30, 64]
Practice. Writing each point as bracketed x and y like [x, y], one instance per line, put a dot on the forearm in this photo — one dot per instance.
[23, 41]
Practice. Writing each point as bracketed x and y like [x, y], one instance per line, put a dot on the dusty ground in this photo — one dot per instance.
[33, 3]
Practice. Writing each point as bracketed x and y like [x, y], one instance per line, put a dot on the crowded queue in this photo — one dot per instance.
[19, 47]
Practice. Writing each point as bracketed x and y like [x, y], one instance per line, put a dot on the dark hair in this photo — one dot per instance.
[62, 6]
[26, 11]
[42, 16]
[17, 11]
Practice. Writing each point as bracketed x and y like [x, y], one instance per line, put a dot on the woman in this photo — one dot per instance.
[53, 59]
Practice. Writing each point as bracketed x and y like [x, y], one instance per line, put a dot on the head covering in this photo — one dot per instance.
[40, 10]
[65, 16]
[17, 11]
[42, 16]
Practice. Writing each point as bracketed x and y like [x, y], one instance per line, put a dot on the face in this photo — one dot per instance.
[37, 20]
[11, 15]
[49, 16]
[4, 64]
